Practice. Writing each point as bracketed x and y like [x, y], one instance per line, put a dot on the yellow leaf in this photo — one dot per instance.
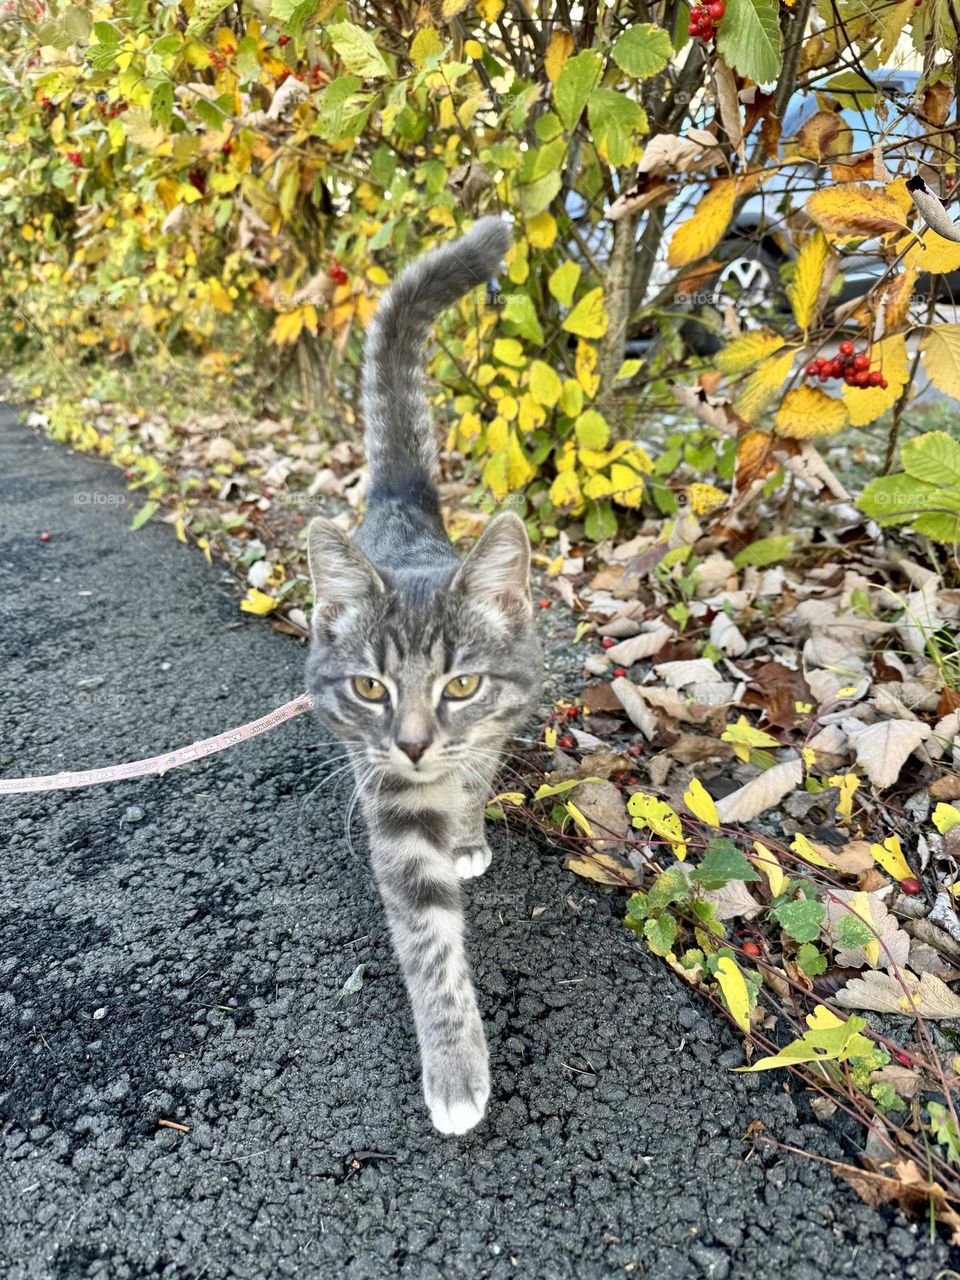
[627, 486]
[946, 817]
[586, 369]
[579, 818]
[519, 469]
[866, 404]
[700, 803]
[496, 474]
[847, 784]
[890, 856]
[531, 414]
[542, 230]
[286, 328]
[657, 816]
[181, 532]
[565, 491]
[517, 261]
[941, 357]
[470, 427]
[550, 737]
[860, 904]
[545, 384]
[490, 10]
[257, 602]
[497, 434]
[561, 45]
[744, 738]
[808, 279]
[571, 398]
[806, 412]
[934, 254]
[591, 430]
[802, 846]
[703, 230]
[855, 210]
[704, 498]
[509, 351]
[562, 282]
[763, 385]
[766, 861]
[588, 318]
[204, 546]
[733, 987]
[743, 352]
[426, 43]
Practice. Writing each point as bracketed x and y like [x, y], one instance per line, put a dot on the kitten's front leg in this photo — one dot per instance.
[471, 853]
[420, 889]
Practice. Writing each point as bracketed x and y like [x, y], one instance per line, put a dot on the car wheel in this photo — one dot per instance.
[749, 283]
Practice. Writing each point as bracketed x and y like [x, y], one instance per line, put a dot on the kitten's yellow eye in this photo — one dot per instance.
[461, 687]
[370, 689]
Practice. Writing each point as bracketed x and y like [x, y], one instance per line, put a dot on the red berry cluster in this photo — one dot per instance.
[219, 58]
[704, 19]
[75, 158]
[337, 273]
[283, 40]
[851, 365]
[198, 179]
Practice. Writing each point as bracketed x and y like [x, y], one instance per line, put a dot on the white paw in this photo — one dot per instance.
[457, 1117]
[469, 864]
[456, 1083]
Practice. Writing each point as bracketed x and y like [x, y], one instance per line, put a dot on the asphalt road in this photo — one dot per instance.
[175, 949]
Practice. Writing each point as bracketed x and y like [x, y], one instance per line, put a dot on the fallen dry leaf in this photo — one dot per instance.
[883, 749]
[762, 793]
[927, 995]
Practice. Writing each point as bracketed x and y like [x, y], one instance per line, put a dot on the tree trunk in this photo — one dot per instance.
[617, 299]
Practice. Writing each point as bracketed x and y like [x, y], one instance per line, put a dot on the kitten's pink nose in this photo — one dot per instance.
[413, 749]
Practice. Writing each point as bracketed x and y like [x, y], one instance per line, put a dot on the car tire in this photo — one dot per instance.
[749, 279]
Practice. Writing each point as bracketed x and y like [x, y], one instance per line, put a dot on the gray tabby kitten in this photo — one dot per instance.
[423, 665]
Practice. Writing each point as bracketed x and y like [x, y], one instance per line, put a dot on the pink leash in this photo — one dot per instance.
[159, 764]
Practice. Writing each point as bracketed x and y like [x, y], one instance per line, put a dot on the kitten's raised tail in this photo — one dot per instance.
[401, 449]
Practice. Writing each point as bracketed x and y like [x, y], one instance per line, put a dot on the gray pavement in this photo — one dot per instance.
[175, 949]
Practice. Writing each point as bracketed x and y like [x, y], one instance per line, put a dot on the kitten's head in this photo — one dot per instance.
[423, 669]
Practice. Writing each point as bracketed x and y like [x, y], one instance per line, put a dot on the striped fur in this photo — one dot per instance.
[398, 605]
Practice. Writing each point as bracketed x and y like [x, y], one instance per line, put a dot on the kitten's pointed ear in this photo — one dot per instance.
[341, 573]
[497, 569]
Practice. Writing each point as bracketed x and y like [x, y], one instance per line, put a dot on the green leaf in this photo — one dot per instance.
[106, 33]
[852, 932]
[600, 521]
[811, 961]
[722, 863]
[661, 933]
[933, 457]
[358, 50]
[519, 310]
[748, 38]
[161, 104]
[637, 906]
[825, 1044]
[144, 514]
[670, 886]
[563, 281]
[643, 50]
[765, 550]
[895, 499]
[944, 1130]
[801, 920]
[578, 79]
[533, 197]
[613, 119]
